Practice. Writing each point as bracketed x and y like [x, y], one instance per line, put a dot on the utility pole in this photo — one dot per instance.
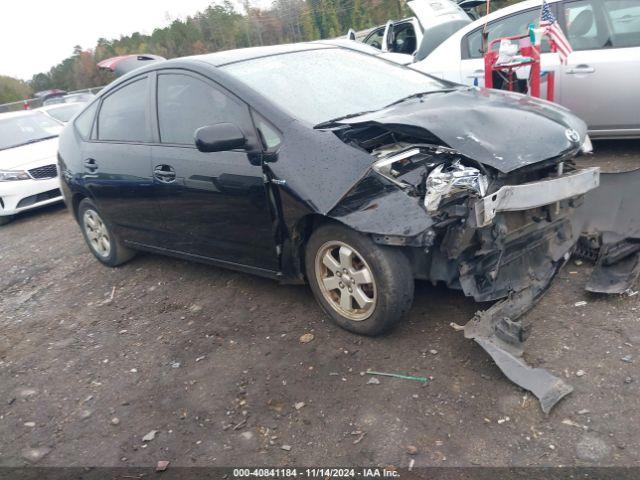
[247, 8]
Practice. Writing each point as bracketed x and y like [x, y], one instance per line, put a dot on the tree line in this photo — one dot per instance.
[219, 27]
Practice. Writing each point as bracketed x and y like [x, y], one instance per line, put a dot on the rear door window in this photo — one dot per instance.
[585, 28]
[124, 115]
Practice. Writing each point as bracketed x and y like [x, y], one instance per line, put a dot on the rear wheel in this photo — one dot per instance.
[364, 287]
[4, 219]
[102, 242]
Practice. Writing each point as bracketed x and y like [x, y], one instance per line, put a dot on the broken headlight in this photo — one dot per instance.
[445, 180]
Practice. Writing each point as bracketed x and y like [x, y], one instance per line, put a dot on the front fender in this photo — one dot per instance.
[390, 215]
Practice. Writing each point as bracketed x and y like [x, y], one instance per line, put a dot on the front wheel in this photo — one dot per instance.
[100, 238]
[364, 287]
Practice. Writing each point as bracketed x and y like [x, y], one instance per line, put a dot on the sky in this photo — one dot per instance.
[37, 34]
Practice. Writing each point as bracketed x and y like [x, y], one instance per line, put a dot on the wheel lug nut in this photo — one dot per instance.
[341, 285]
[350, 290]
[344, 270]
[339, 274]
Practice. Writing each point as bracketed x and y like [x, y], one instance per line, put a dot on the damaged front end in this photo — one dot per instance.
[496, 236]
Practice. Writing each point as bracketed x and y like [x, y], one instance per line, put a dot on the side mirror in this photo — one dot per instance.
[219, 137]
[351, 34]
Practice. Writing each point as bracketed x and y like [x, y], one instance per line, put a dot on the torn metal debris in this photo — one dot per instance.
[609, 220]
[501, 332]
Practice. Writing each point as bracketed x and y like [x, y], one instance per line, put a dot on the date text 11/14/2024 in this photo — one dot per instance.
[315, 473]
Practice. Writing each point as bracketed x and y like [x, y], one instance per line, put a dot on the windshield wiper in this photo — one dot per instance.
[331, 122]
[419, 95]
[33, 140]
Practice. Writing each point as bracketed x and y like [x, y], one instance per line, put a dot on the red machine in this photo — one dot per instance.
[531, 57]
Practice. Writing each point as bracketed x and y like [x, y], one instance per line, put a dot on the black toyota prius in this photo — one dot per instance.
[321, 164]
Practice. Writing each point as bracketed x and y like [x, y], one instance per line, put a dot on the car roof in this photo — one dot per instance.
[218, 59]
[222, 58]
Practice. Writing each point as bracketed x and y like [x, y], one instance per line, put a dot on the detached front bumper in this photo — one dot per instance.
[536, 194]
[21, 195]
[523, 230]
[526, 234]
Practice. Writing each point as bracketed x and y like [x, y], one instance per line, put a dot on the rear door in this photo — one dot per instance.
[117, 161]
[472, 63]
[213, 205]
[600, 81]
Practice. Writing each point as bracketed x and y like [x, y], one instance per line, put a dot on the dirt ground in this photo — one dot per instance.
[93, 359]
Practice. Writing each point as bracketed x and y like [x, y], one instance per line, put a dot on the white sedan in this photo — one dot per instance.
[62, 112]
[28, 158]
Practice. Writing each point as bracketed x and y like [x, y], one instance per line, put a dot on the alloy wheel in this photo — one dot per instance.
[345, 280]
[97, 233]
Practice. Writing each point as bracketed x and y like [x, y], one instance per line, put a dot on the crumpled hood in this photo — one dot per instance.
[501, 129]
[29, 156]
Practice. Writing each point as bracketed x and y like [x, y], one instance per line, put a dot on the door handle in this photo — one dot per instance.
[90, 164]
[581, 69]
[164, 173]
[476, 74]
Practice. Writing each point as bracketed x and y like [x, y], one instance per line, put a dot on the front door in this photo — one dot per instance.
[214, 205]
[600, 80]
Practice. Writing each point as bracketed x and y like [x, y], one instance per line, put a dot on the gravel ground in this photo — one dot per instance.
[93, 359]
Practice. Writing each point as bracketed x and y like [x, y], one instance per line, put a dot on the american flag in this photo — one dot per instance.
[554, 32]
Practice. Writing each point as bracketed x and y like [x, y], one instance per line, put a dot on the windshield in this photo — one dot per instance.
[320, 85]
[65, 113]
[23, 129]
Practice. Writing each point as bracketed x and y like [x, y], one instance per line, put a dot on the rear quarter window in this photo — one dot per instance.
[85, 120]
[123, 116]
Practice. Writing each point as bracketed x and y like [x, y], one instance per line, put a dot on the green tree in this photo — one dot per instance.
[221, 27]
[13, 89]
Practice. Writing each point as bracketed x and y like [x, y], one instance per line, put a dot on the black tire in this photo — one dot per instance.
[117, 253]
[389, 266]
[4, 219]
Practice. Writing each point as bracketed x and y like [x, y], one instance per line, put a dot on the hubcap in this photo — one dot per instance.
[346, 280]
[97, 233]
